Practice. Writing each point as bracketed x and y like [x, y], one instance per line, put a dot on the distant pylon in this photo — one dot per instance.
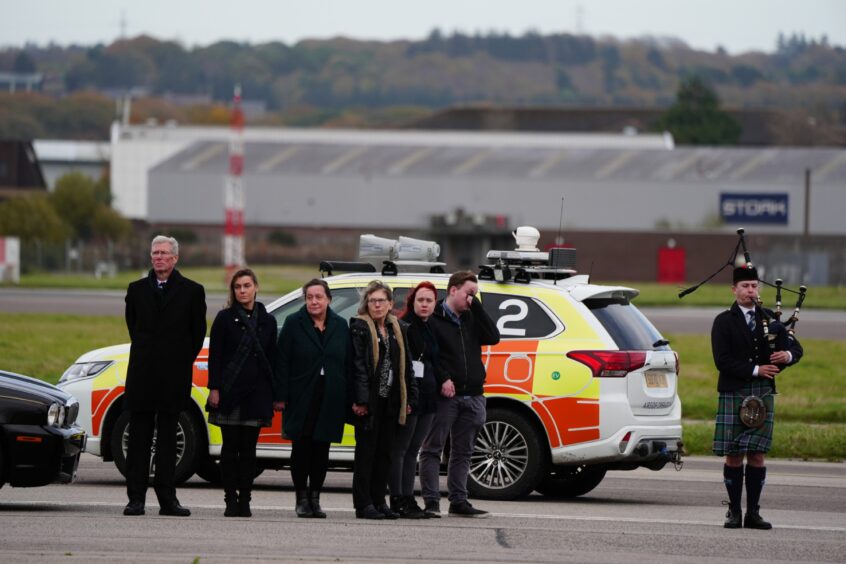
[233, 192]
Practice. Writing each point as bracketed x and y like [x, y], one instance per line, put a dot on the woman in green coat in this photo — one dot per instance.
[314, 355]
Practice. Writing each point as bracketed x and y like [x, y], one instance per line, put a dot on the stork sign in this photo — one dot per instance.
[233, 193]
[754, 208]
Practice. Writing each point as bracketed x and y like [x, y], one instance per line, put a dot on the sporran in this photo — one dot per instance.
[753, 412]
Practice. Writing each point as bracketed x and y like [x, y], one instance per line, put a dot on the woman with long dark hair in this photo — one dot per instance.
[312, 372]
[242, 352]
[423, 349]
[384, 393]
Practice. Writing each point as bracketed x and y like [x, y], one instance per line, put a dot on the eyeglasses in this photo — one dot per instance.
[377, 301]
[160, 254]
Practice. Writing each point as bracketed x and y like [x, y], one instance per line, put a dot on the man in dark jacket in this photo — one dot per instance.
[461, 328]
[748, 368]
[166, 319]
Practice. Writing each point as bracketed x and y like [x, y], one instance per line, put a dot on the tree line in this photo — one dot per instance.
[347, 82]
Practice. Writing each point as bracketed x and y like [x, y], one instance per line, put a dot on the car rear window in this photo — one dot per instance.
[629, 328]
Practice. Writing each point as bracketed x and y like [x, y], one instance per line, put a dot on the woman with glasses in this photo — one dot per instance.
[384, 393]
[242, 352]
[312, 375]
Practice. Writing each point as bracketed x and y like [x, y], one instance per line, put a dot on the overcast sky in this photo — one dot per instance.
[737, 25]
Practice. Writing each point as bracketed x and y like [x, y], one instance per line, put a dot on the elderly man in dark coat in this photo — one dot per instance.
[166, 319]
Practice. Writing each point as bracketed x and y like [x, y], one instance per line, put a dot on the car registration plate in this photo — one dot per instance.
[655, 379]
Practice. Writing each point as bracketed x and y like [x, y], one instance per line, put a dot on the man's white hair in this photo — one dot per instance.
[159, 239]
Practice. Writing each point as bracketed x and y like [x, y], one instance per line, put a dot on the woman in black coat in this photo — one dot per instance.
[242, 352]
[423, 350]
[384, 393]
[312, 373]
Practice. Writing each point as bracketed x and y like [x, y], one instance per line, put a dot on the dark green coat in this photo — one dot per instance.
[300, 356]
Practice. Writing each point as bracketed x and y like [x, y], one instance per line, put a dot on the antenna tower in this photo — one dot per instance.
[233, 192]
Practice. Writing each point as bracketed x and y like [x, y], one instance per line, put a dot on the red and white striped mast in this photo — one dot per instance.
[233, 192]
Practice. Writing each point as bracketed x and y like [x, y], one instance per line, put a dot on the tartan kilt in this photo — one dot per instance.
[731, 436]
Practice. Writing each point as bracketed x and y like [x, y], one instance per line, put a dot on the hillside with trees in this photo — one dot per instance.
[347, 82]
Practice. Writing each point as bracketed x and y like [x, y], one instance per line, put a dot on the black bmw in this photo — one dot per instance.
[40, 442]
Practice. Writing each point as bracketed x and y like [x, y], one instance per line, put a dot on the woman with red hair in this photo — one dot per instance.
[423, 349]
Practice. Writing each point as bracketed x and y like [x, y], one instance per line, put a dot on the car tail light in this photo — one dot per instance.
[609, 364]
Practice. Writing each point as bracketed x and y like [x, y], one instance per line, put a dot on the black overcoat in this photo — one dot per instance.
[737, 350]
[167, 329]
[300, 358]
[252, 389]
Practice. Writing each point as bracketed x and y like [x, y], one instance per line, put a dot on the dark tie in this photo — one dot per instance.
[751, 321]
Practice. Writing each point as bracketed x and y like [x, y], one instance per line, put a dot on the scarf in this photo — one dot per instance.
[374, 347]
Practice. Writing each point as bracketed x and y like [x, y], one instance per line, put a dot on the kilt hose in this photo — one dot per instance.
[731, 436]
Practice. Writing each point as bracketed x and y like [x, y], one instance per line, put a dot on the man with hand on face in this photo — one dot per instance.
[166, 320]
[461, 327]
[747, 368]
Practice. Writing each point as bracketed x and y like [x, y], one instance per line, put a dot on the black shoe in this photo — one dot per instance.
[244, 504]
[231, 500]
[753, 520]
[369, 512]
[432, 509]
[733, 519]
[410, 510]
[134, 508]
[387, 511]
[464, 509]
[397, 503]
[303, 507]
[174, 510]
[316, 511]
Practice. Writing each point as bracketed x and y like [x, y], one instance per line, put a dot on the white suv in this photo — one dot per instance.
[580, 383]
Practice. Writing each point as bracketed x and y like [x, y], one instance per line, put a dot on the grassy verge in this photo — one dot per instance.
[804, 441]
[813, 391]
[719, 295]
[275, 280]
[811, 405]
[44, 345]
[283, 278]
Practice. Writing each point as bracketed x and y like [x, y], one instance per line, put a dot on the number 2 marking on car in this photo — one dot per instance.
[522, 312]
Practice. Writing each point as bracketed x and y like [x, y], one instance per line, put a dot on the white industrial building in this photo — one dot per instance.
[400, 179]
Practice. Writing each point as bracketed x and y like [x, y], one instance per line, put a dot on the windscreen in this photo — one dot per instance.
[629, 328]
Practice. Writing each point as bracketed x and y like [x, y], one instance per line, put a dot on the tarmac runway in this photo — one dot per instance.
[637, 516]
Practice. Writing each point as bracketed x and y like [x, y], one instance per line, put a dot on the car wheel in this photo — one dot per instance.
[187, 445]
[571, 481]
[508, 461]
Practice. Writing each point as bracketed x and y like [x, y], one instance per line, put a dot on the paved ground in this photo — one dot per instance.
[639, 516]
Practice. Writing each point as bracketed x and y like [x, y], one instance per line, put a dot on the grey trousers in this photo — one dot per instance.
[406, 446]
[460, 419]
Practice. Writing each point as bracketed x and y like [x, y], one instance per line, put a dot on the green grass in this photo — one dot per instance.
[275, 280]
[805, 441]
[810, 407]
[278, 279]
[44, 345]
[666, 295]
[813, 391]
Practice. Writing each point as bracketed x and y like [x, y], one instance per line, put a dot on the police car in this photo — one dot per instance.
[581, 382]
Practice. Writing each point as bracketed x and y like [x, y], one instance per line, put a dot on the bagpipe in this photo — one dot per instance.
[779, 334]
